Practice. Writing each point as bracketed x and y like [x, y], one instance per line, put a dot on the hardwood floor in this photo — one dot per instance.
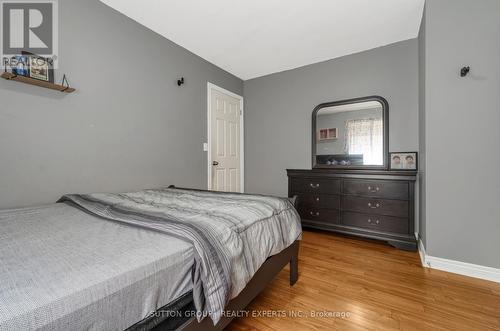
[379, 286]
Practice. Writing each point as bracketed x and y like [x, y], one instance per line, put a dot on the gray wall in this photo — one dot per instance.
[338, 120]
[462, 119]
[278, 108]
[127, 127]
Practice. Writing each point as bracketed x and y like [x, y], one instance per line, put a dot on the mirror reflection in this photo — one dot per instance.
[350, 135]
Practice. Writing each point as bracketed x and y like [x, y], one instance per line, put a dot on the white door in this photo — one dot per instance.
[225, 140]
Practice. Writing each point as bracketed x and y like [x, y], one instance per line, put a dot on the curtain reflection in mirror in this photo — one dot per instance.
[365, 137]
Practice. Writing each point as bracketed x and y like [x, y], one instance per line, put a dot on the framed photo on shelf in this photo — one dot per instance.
[403, 161]
[19, 65]
[40, 68]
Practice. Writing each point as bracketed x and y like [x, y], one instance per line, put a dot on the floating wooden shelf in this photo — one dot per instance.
[41, 83]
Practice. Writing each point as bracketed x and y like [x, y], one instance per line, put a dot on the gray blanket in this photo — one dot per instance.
[233, 234]
[64, 269]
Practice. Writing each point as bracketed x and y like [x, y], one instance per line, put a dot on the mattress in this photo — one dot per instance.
[64, 269]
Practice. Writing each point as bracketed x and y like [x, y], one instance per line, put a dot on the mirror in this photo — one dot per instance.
[351, 134]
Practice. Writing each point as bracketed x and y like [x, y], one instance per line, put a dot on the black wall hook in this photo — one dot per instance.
[464, 71]
[180, 81]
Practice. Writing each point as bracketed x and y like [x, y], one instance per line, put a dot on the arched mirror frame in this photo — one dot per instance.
[385, 119]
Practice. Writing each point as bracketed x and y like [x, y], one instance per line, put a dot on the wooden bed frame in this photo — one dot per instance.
[266, 273]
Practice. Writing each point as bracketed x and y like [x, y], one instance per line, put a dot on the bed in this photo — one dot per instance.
[161, 259]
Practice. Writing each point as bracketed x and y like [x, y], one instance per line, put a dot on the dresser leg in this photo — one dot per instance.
[406, 246]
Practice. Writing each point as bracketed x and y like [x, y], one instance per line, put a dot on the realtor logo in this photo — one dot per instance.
[29, 26]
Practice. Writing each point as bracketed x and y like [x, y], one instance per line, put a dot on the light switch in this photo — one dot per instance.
[205, 147]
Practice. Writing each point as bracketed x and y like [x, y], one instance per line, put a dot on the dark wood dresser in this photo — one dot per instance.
[374, 204]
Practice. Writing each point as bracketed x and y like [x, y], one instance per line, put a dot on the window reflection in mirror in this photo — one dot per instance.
[350, 135]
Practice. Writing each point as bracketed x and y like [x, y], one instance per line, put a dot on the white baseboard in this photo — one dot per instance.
[457, 267]
[421, 251]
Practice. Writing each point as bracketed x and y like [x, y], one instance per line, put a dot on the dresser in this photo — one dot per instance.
[375, 204]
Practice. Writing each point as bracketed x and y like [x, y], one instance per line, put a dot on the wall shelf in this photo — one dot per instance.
[36, 82]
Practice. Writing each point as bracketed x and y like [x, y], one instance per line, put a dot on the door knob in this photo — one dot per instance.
[215, 163]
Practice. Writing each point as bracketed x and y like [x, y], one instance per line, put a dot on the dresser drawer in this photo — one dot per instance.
[311, 200]
[376, 222]
[325, 186]
[396, 208]
[377, 189]
[318, 214]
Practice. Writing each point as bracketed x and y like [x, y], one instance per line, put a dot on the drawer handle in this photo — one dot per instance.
[371, 222]
[314, 213]
[373, 189]
[374, 206]
[317, 199]
[314, 185]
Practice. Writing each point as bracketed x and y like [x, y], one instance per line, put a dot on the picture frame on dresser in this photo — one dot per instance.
[404, 161]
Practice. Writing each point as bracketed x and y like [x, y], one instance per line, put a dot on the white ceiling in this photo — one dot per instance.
[253, 38]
